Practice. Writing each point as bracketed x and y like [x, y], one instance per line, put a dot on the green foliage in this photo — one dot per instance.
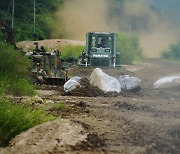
[19, 86]
[2, 36]
[60, 106]
[72, 50]
[13, 71]
[25, 31]
[15, 119]
[24, 18]
[12, 61]
[173, 52]
[129, 48]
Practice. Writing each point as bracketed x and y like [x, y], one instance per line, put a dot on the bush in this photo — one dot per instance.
[13, 71]
[15, 119]
[173, 52]
[12, 61]
[72, 51]
[129, 48]
[19, 86]
[22, 87]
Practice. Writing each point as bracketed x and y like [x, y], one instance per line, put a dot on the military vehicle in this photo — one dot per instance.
[47, 66]
[100, 52]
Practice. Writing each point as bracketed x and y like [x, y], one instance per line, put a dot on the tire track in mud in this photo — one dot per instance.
[140, 135]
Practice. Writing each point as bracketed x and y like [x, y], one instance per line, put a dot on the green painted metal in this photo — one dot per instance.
[101, 50]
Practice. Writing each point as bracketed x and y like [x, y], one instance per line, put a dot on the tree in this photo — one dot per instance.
[173, 52]
[24, 17]
[129, 48]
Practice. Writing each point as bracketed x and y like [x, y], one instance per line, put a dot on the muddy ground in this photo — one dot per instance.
[147, 121]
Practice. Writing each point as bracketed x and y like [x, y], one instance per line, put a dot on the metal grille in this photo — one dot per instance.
[101, 62]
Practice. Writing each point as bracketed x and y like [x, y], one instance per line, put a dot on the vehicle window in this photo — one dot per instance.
[105, 42]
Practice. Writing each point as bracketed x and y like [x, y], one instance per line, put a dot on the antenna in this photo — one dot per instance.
[34, 16]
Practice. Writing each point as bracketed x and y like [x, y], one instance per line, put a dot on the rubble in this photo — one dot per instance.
[104, 82]
[72, 84]
[84, 89]
[100, 84]
[37, 100]
[49, 101]
[129, 82]
[167, 82]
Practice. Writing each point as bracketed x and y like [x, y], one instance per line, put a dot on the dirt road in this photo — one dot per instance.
[144, 122]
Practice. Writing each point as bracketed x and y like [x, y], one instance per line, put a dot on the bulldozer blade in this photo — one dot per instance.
[54, 81]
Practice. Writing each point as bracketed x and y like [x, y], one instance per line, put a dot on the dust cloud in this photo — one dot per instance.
[153, 28]
[82, 16]
[77, 17]
[157, 40]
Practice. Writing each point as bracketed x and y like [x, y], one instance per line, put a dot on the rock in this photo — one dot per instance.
[49, 101]
[25, 100]
[167, 82]
[129, 82]
[104, 82]
[37, 100]
[176, 81]
[72, 84]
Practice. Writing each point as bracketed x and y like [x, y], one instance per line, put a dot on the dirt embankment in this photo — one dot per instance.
[49, 44]
[146, 122]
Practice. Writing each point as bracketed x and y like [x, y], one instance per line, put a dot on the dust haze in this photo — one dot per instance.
[77, 17]
[82, 16]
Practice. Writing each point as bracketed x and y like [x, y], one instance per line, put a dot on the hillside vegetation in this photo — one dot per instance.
[129, 48]
[173, 52]
[24, 18]
[47, 19]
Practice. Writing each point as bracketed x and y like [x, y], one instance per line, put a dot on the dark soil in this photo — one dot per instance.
[92, 142]
[85, 90]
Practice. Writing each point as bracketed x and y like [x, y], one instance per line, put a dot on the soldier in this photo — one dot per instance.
[42, 49]
[57, 52]
[103, 42]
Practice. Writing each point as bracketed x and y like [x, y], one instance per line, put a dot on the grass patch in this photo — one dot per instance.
[60, 106]
[72, 51]
[13, 71]
[15, 118]
[10, 84]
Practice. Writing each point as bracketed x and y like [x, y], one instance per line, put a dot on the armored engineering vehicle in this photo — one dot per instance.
[47, 66]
